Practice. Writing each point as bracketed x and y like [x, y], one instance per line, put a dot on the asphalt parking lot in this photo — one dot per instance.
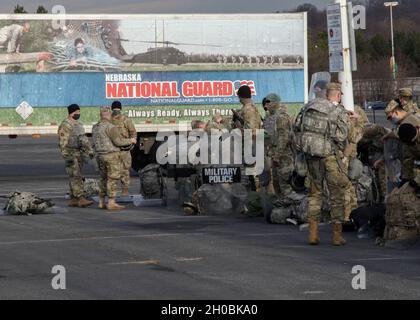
[158, 253]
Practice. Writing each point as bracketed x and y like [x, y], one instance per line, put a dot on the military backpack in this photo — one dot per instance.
[315, 128]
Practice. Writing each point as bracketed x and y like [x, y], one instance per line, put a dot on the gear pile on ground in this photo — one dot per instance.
[27, 203]
[291, 209]
[219, 199]
[152, 182]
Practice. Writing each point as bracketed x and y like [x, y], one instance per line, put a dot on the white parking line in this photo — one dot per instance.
[182, 259]
[270, 234]
[157, 235]
[387, 258]
[314, 292]
[145, 262]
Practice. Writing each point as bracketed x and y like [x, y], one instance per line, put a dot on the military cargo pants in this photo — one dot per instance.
[125, 159]
[110, 173]
[281, 170]
[73, 166]
[329, 170]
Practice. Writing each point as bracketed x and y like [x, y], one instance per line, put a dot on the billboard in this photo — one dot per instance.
[51, 61]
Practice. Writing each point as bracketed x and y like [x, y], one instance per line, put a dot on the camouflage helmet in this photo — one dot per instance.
[105, 109]
[405, 93]
[334, 86]
[392, 105]
[272, 97]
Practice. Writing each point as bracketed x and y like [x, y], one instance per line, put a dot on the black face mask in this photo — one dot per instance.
[76, 116]
[116, 112]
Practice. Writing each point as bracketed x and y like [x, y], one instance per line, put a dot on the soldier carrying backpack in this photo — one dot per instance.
[321, 131]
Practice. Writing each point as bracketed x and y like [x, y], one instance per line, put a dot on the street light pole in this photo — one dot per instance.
[391, 5]
[392, 31]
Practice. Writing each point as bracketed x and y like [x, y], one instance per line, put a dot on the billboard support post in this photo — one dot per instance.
[345, 76]
[305, 41]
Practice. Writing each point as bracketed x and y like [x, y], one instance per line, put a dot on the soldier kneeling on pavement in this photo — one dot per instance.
[107, 143]
[402, 212]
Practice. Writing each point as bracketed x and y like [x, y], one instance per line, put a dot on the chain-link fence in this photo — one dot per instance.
[366, 90]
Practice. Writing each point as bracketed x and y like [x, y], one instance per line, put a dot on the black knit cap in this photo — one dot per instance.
[264, 101]
[116, 105]
[244, 92]
[72, 108]
[407, 132]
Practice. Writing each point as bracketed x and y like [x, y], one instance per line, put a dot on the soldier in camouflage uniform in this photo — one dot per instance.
[248, 118]
[402, 212]
[372, 145]
[217, 123]
[277, 126]
[73, 144]
[358, 121]
[249, 112]
[321, 133]
[127, 131]
[398, 114]
[107, 141]
[405, 96]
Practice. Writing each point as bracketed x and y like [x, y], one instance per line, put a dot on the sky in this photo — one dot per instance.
[256, 36]
[161, 6]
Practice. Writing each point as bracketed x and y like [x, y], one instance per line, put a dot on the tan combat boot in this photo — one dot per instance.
[73, 202]
[112, 205]
[313, 233]
[338, 239]
[83, 203]
[102, 204]
[125, 192]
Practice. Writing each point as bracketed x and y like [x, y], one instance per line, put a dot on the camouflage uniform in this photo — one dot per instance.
[402, 213]
[127, 130]
[277, 126]
[107, 142]
[411, 152]
[372, 142]
[250, 115]
[328, 168]
[409, 106]
[355, 135]
[73, 144]
[405, 156]
[251, 121]
[217, 125]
